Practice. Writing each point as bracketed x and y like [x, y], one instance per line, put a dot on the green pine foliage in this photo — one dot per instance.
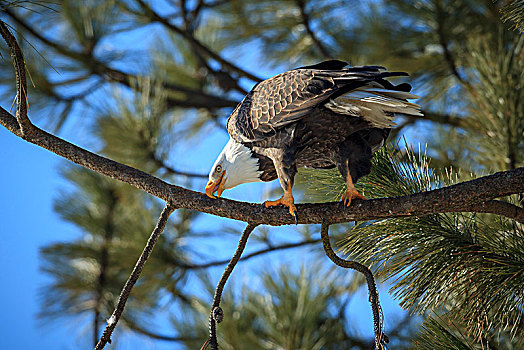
[513, 10]
[468, 265]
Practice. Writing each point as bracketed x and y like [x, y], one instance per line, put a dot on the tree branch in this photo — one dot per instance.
[378, 323]
[113, 320]
[216, 312]
[194, 98]
[248, 256]
[154, 16]
[465, 196]
[25, 124]
[499, 208]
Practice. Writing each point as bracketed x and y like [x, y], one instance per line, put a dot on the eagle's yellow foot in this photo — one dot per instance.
[350, 194]
[287, 200]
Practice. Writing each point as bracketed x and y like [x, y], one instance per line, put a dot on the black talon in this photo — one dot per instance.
[296, 217]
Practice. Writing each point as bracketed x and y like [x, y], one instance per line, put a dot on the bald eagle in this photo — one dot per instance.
[321, 116]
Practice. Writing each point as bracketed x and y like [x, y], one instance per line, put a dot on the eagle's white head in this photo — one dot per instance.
[235, 165]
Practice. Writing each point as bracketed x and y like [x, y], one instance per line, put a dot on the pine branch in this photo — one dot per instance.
[155, 17]
[466, 196]
[513, 10]
[135, 274]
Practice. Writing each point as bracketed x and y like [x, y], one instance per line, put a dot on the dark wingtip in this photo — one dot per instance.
[403, 87]
[328, 65]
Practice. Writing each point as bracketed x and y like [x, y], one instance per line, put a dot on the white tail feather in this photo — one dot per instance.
[376, 105]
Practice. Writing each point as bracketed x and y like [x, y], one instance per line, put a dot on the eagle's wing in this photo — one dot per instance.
[288, 97]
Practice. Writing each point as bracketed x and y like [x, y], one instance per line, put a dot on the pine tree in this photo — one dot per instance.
[462, 272]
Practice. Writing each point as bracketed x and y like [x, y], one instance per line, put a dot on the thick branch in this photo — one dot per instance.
[465, 196]
[113, 320]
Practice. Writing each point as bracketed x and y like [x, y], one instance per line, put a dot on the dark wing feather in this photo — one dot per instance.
[288, 97]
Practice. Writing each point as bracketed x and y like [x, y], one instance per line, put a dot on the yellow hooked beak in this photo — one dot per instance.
[213, 187]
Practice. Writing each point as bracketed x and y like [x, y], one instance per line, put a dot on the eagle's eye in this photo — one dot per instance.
[218, 169]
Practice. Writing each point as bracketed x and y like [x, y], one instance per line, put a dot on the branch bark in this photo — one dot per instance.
[467, 196]
[24, 123]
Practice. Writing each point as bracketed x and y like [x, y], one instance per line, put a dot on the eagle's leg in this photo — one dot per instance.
[354, 161]
[286, 170]
[351, 191]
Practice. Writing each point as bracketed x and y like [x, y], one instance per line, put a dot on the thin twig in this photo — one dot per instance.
[146, 253]
[380, 337]
[160, 162]
[248, 256]
[216, 312]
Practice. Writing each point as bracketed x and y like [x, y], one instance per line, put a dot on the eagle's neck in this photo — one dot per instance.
[243, 167]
